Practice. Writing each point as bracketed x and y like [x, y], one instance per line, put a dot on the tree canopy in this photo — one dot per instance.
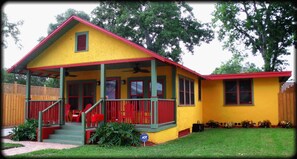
[163, 27]
[263, 28]
[10, 29]
[234, 65]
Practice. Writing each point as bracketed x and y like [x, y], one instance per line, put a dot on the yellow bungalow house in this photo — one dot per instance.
[102, 73]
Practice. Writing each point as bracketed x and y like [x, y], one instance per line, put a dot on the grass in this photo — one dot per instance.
[10, 145]
[211, 143]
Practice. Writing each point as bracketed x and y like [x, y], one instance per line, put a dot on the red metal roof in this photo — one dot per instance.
[249, 75]
[23, 62]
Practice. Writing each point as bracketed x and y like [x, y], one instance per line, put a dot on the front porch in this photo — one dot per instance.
[146, 103]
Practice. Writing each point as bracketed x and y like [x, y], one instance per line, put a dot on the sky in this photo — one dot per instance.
[37, 17]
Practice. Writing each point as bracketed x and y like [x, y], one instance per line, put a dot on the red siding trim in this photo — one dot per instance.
[184, 132]
[249, 75]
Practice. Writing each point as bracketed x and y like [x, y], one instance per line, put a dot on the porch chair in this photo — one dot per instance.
[68, 114]
[88, 106]
[129, 114]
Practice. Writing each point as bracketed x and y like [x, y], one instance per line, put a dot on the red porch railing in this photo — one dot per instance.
[50, 115]
[96, 109]
[39, 105]
[166, 111]
[133, 111]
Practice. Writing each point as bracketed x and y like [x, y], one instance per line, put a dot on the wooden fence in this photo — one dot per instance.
[287, 105]
[13, 95]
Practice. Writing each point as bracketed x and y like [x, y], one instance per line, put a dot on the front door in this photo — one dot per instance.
[112, 92]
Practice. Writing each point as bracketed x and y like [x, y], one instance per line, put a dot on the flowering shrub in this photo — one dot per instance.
[285, 124]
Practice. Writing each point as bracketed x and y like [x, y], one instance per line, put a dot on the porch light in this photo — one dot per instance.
[123, 81]
[98, 83]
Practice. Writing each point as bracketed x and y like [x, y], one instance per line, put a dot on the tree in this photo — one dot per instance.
[161, 27]
[263, 28]
[10, 29]
[234, 65]
[60, 18]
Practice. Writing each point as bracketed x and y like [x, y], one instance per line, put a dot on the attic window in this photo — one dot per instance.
[81, 41]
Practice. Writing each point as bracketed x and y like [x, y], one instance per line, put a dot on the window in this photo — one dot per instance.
[81, 93]
[160, 89]
[238, 92]
[136, 88]
[186, 91]
[81, 41]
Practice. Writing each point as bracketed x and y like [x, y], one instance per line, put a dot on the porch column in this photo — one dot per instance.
[154, 97]
[102, 88]
[174, 89]
[62, 108]
[28, 94]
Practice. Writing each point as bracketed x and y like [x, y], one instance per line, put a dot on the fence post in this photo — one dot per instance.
[40, 126]
[83, 122]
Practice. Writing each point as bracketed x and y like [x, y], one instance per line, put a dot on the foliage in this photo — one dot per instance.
[116, 134]
[264, 124]
[285, 124]
[247, 124]
[212, 124]
[26, 131]
[234, 65]
[228, 125]
[264, 28]
[21, 79]
[10, 145]
[10, 29]
[60, 18]
[158, 26]
[214, 143]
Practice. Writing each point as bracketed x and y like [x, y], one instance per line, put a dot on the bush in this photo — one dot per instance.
[264, 124]
[116, 134]
[247, 124]
[212, 124]
[285, 124]
[26, 131]
[228, 125]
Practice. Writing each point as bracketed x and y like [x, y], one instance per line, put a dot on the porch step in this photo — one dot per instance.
[68, 134]
[63, 141]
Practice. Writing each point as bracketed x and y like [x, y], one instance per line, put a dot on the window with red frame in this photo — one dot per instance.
[81, 41]
[136, 89]
[160, 89]
[73, 96]
[238, 92]
[186, 91]
[88, 93]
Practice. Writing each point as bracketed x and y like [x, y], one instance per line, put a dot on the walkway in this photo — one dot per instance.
[30, 146]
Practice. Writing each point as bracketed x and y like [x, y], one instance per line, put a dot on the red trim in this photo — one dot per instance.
[249, 75]
[91, 63]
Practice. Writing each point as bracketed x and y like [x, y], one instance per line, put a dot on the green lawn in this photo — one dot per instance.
[220, 142]
[10, 145]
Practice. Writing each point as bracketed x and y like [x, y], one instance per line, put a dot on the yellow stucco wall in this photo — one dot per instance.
[187, 115]
[102, 47]
[265, 95]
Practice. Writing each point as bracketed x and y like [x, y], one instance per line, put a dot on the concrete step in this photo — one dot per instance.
[71, 127]
[72, 142]
[66, 137]
[68, 132]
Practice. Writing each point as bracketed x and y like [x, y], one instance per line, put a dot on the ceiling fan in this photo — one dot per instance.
[67, 74]
[137, 69]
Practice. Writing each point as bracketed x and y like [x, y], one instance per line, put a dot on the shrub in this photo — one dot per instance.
[26, 131]
[212, 124]
[247, 124]
[116, 134]
[285, 124]
[264, 124]
[228, 125]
